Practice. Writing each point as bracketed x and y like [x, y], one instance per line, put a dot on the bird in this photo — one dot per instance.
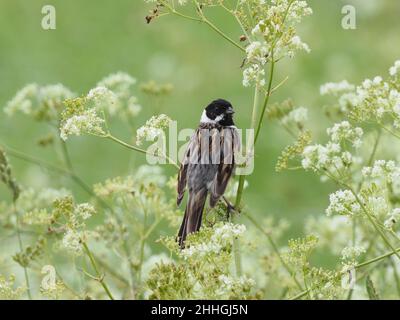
[207, 165]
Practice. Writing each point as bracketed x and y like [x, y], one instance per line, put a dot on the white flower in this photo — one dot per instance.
[393, 218]
[53, 95]
[351, 253]
[120, 83]
[333, 88]
[153, 128]
[104, 98]
[85, 210]
[133, 107]
[222, 237]
[344, 131]
[377, 205]
[72, 241]
[380, 169]
[256, 52]
[253, 74]
[23, 100]
[297, 44]
[32, 95]
[87, 122]
[395, 69]
[332, 231]
[343, 202]
[298, 115]
[229, 284]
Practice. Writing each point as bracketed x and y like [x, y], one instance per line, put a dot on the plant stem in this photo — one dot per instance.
[377, 228]
[132, 147]
[142, 244]
[203, 19]
[275, 249]
[110, 270]
[266, 100]
[78, 181]
[364, 209]
[239, 193]
[21, 247]
[100, 277]
[236, 244]
[216, 29]
[396, 275]
[358, 266]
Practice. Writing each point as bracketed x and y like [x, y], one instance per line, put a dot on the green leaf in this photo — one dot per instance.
[372, 293]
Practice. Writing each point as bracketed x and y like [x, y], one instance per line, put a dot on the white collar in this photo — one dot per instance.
[205, 119]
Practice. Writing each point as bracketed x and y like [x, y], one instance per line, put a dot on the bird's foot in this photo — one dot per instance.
[230, 208]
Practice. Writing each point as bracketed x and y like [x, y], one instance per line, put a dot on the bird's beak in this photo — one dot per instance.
[230, 111]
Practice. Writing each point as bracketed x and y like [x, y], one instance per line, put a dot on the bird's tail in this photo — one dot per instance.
[193, 215]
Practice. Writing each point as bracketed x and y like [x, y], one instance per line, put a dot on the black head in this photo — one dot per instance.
[220, 111]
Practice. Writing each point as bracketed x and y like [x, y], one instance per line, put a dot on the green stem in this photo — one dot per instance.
[371, 219]
[266, 100]
[396, 276]
[232, 12]
[110, 270]
[239, 193]
[142, 244]
[364, 209]
[135, 148]
[216, 29]
[358, 266]
[236, 244]
[203, 19]
[100, 277]
[375, 147]
[275, 249]
[79, 182]
[21, 247]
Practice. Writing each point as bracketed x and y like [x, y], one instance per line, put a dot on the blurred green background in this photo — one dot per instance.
[94, 38]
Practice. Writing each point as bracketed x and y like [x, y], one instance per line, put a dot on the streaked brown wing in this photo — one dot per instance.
[182, 175]
[230, 144]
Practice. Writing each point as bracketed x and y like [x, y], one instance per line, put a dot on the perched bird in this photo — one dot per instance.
[208, 164]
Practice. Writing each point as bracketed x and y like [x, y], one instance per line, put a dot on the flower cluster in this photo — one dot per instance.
[332, 231]
[85, 122]
[374, 99]
[343, 202]
[297, 116]
[332, 88]
[351, 253]
[207, 255]
[42, 102]
[152, 129]
[114, 94]
[384, 173]
[72, 219]
[231, 285]
[7, 290]
[333, 154]
[394, 71]
[273, 36]
[392, 219]
[342, 132]
[218, 239]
